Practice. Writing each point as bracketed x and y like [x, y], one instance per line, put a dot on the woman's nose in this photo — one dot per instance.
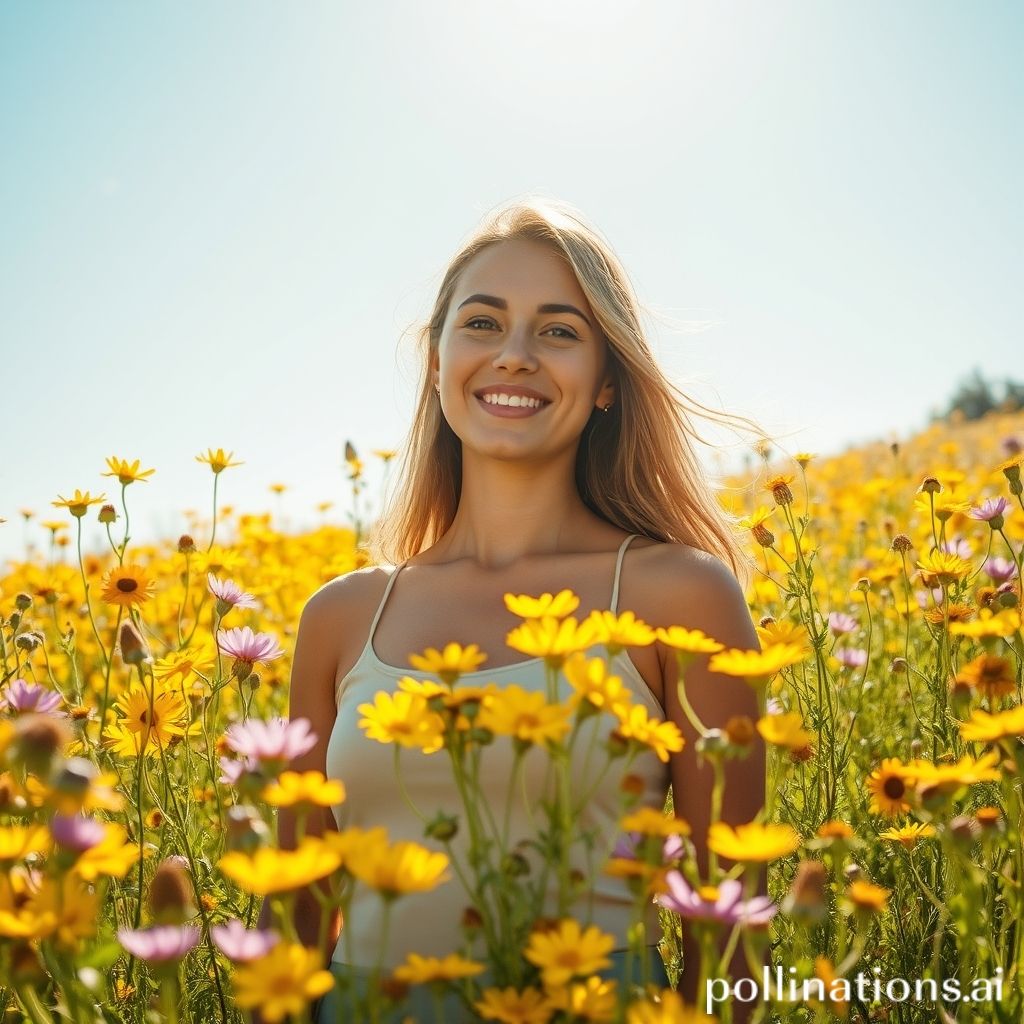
[516, 350]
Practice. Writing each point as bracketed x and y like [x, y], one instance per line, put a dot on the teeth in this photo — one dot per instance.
[515, 401]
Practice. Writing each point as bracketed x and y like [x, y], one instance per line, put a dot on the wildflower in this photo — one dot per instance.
[403, 718]
[402, 867]
[557, 606]
[567, 951]
[668, 1008]
[756, 667]
[311, 787]
[35, 742]
[282, 982]
[888, 788]
[217, 460]
[617, 631]
[990, 675]
[77, 505]
[73, 909]
[512, 1006]
[991, 512]
[247, 648]
[422, 970]
[526, 715]
[989, 624]
[240, 945]
[161, 944]
[184, 663]
[866, 896]
[722, 904]
[755, 523]
[267, 870]
[357, 842]
[594, 999]
[127, 586]
[740, 730]
[76, 832]
[779, 486]
[752, 842]
[134, 649]
[277, 739]
[986, 728]
[689, 641]
[943, 567]
[835, 830]
[127, 473]
[836, 989]
[785, 730]
[158, 717]
[230, 594]
[950, 777]
[21, 696]
[806, 899]
[112, 857]
[18, 841]
[908, 835]
[551, 639]
[661, 737]
[651, 821]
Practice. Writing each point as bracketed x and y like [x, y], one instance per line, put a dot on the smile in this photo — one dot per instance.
[512, 411]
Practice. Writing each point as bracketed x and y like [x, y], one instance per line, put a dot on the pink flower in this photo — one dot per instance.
[240, 945]
[77, 831]
[840, 622]
[990, 509]
[246, 646]
[160, 944]
[230, 593]
[1000, 569]
[275, 740]
[724, 904]
[851, 657]
[22, 696]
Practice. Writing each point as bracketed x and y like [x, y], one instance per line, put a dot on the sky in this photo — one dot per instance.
[222, 221]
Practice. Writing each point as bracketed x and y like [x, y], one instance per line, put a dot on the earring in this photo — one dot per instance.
[607, 407]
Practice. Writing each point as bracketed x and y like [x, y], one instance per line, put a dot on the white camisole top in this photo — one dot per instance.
[429, 923]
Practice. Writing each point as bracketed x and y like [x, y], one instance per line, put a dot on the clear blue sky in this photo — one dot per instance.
[218, 219]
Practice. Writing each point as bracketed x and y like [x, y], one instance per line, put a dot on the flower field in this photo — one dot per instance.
[145, 754]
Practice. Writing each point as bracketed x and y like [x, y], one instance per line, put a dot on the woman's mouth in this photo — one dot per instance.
[511, 411]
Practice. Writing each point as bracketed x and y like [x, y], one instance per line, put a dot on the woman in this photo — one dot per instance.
[547, 451]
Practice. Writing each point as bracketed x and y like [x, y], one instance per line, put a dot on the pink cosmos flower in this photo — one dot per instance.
[988, 510]
[840, 623]
[22, 696]
[230, 593]
[160, 944]
[724, 905]
[957, 546]
[241, 945]
[77, 831]
[246, 646]
[275, 740]
[1000, 570]
[851, 657]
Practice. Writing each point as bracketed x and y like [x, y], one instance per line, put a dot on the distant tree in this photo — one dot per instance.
[974, 397]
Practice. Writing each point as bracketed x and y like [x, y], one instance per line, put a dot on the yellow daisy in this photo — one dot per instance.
[218, 462]
[568, 951]
[450, 663]
[127, 472]
[525, 715]
[267, 870]
[557, 606]
[282, 983]
[127, 586]
[752, 842]
[422, 970]
[311, 787]
[79, 504]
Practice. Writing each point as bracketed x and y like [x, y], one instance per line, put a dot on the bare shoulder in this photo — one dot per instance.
[694, 588]
[346, 594]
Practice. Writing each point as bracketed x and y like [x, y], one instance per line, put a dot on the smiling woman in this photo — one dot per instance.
[546, 446]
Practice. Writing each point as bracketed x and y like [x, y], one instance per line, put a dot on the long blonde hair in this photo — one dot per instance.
[636, 466]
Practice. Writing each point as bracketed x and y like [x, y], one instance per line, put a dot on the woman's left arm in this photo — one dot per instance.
[705, 595]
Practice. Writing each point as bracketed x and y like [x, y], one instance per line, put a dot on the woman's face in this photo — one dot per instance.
[519, 325]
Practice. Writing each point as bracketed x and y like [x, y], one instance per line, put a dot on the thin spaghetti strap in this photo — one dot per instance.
[383, 601]
[614, 603]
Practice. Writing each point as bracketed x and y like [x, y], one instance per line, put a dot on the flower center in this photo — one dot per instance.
[894, 788]
[127, 586]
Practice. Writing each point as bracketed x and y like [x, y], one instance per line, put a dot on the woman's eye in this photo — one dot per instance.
[566, 333]
[479, 319]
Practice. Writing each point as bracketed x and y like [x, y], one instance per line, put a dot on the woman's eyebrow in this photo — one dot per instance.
[549, 307]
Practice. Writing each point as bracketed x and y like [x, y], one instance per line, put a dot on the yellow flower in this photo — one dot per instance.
[752, 842]
[158, 721]
[218, 461]
[650, 821]
[127, 473]
[281, 983]
[661, 737]
[399, 868]
[944, 567]
[113, 856]
[691, 641]
[421, 970]
[835, 830]
[985, 728]
[949, 777]
[362, 842]
[267, 870]
[756, 667]
[127, 586]
[184, 663]
[526, 715]
[510, 1006]
[558, 606]
[75, 908]
[990, 675]
[1003, 623]
[594, 999]
[867, 896]
[669, 1009]
[888, 788]
[592, 681]
[551, 639]
[20, 916]
[18, 841]
[784, 632]
[293, 788]
[386, 454]
[567, 951]
[402, 718]
[622, 630]
[785, 730]
[833, 988]
[450, 663]
[79, 504]
[908, 835]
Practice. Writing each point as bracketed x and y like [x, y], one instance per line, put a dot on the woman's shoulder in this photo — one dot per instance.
[349, 593]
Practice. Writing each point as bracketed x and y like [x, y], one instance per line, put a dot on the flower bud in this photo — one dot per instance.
[740, 730]
[107, 514]
[632, 784]
[898, 666]
[471, 919]
[23, 601]
[134, 650]
[806, 900]
[712, 743]
[442, 827]
[186, 545]
[172, 898]
[38, 740]
[963, 830]
[515, 865]
[852, 871]
[901, 543]
[29, 642]
[930, 485]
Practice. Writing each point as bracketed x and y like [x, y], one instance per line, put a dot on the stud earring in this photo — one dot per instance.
[607, 407]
